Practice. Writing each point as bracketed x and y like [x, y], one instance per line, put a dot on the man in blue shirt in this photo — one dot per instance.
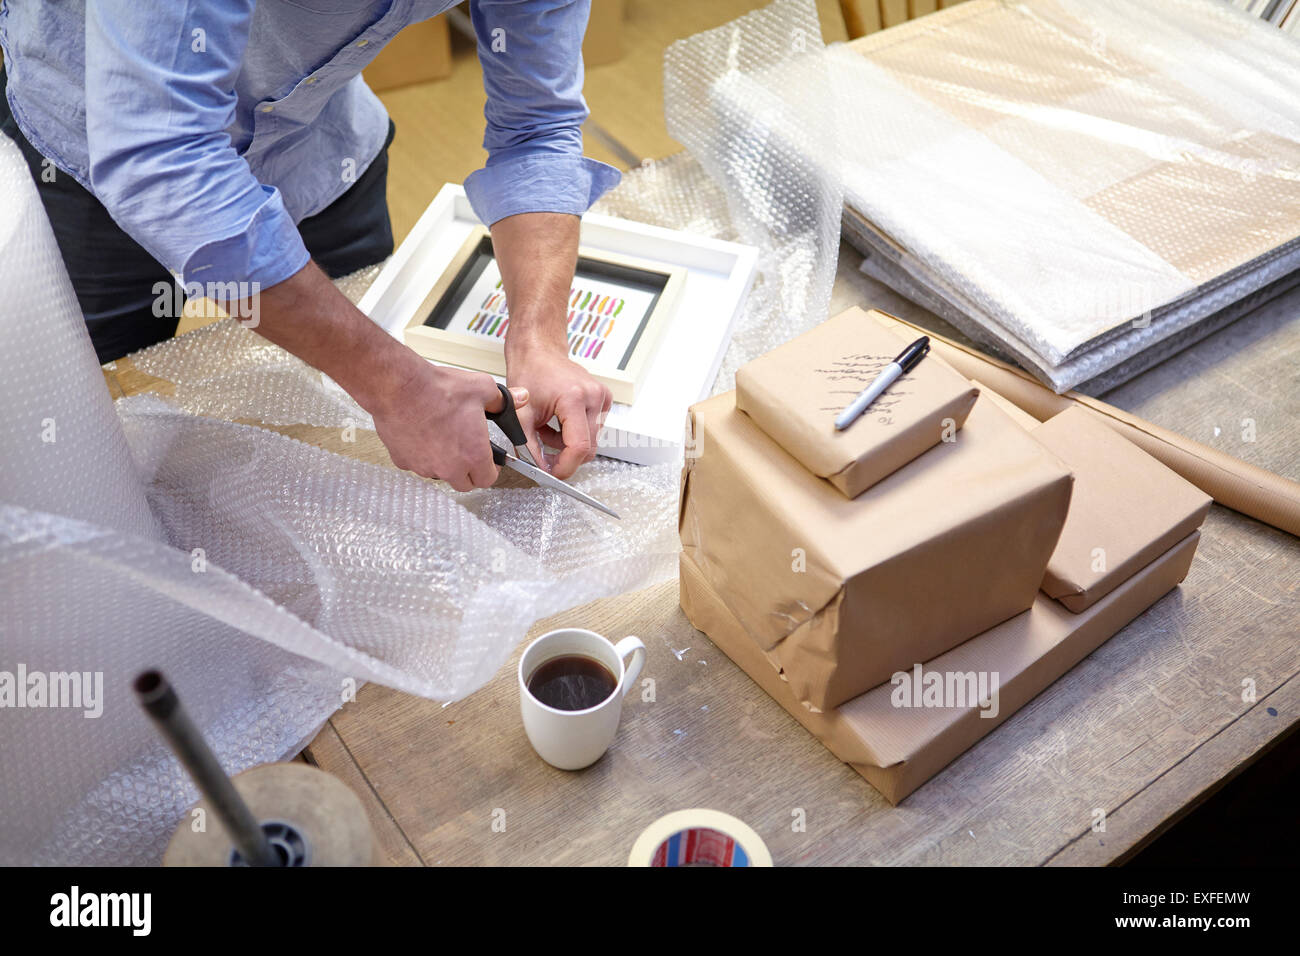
[229, 143]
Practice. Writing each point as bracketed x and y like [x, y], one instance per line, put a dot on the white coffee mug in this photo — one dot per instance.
[573, 739]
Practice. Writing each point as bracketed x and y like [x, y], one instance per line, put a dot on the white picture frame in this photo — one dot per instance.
[619, 306]
[682, 369]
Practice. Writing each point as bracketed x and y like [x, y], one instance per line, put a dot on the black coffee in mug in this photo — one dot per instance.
[572, 682]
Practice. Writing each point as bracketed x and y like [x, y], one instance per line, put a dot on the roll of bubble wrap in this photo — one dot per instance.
[91, 588]
[59, 428]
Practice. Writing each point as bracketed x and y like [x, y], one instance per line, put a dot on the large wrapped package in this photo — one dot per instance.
[840, 593]
[895, 735]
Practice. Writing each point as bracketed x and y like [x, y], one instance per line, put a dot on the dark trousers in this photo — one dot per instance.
[114, 277]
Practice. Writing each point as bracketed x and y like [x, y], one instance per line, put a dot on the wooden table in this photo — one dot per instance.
[1143, 729]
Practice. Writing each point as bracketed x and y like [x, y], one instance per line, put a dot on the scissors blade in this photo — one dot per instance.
[548, 480]
[526, 456]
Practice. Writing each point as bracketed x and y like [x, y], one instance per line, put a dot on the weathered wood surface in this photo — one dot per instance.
[1141, 730]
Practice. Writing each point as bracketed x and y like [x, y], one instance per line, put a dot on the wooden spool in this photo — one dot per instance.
[309, 815]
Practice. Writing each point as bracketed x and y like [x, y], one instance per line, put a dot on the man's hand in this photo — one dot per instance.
[430, 418]
[537, 252]
[434, 425]
[560, 387]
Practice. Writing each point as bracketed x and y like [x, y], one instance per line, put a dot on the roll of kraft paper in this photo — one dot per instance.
[1231, 482]
[310, 817]
[699, 838]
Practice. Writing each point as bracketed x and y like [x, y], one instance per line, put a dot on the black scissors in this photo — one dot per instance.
[523, 461]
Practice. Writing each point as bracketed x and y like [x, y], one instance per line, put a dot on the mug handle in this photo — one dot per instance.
[633, 646]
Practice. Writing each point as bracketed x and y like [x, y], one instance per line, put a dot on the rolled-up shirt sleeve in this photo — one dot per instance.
[531, 52]
[159, 98]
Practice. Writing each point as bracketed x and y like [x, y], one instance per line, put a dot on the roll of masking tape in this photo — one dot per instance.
[699, 838]
[310, 818]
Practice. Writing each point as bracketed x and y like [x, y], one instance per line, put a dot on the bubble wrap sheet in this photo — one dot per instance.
[778, 195]
[1080, 180]
[269, 577]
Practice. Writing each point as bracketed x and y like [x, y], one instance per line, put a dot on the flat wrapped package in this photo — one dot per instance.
[1078, 184]
[898, 748]
[840, 593]
[1080, 179]
[796, 391]
[1127, 509]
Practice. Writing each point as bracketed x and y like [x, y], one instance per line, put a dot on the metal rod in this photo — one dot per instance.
[160, 702]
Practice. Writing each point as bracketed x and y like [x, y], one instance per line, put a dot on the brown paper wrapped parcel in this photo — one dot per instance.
[840, 593]
[893, 734]
[898, 748]
[794, 393]
[1127, 509]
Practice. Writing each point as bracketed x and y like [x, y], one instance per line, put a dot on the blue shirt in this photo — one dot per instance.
[209, 128]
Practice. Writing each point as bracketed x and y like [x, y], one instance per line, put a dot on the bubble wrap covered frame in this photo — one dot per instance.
[1029, 163]
[268, 577]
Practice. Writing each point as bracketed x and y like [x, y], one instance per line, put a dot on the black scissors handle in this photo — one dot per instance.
[508, 421]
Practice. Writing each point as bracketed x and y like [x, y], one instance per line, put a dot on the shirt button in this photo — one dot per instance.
[311, 80]
[363, 42]
[267, 108]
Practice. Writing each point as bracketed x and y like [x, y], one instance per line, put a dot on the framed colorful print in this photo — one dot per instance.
[677, 340]
[617, 310]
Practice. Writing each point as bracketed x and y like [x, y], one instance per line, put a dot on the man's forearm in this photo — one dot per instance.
[308, 316]
[536, 252]
[430, 418]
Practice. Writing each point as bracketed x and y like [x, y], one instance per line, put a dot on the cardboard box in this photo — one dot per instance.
[899, 748]
[860, 17]
[420, 52]
[795, 392]
[841, 593]
[603, 42]
[1127, 509]
[893, 12]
